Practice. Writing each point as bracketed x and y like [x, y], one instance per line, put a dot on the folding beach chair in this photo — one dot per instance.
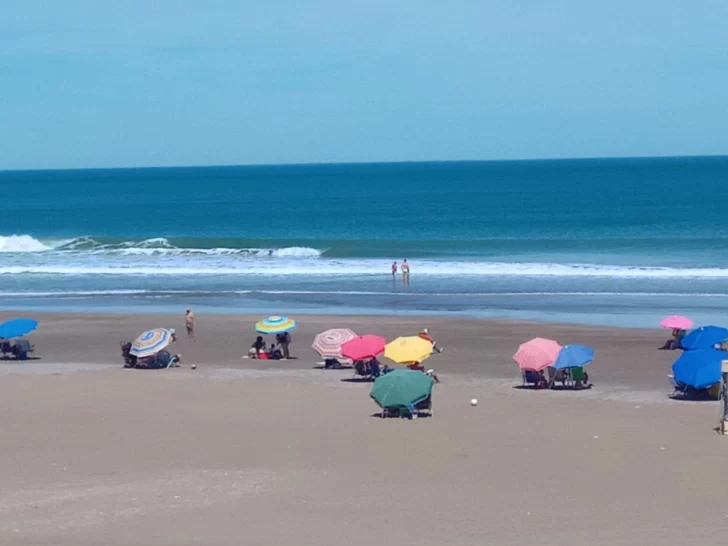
[577, 378]
[533, 379]
[22, 348]
[362, 369]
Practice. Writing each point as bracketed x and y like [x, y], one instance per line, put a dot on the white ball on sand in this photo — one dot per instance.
[474, 402]
[194, 366]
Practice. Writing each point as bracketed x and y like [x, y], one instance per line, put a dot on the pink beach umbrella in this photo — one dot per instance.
[677, 322]
[363, 347]
[537, 354]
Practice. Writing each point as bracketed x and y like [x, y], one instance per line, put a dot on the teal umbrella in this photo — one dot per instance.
[401, 388]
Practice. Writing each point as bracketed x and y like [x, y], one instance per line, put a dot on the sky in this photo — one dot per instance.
[96, 83]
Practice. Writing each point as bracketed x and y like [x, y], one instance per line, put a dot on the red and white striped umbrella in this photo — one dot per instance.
[328, 344]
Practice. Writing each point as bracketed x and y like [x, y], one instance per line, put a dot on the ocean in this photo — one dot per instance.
[602, 241]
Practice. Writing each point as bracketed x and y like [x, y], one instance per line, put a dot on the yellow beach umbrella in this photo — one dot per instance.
[406, 350]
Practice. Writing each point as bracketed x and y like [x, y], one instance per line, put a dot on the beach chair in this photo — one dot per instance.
[533, 379]
[362, 369]
[374, 368]
[577, 378]
[425, 406]
[22, 349]
[6, 348]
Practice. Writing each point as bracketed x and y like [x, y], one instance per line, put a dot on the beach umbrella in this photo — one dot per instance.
[275, 325]
[151, 342]
[17, 327]
[537, 354]
[402, 388]
[704, 337]
[328, 344]
[406, 350]
[363, 347]
[573, 356]
[676, 322]
[699, 368]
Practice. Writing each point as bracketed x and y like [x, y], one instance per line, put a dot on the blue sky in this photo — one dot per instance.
[99, 84]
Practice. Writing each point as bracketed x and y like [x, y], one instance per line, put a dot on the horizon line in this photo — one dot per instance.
[353, 163]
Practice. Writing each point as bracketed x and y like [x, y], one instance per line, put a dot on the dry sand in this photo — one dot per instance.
[254, 452]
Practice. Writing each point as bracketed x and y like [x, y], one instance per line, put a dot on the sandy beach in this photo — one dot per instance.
[240, 451]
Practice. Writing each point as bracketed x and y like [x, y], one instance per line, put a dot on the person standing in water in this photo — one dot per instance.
[405, 272]
[394, 268]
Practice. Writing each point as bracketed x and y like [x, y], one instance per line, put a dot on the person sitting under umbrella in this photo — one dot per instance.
[257, 347]
[675, 341]
[273, 352]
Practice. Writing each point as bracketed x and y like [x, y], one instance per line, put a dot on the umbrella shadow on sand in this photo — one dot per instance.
[693, 398]
[13, 359]
[338, 366]
[382, 415]
[357, 380]
[554, 388]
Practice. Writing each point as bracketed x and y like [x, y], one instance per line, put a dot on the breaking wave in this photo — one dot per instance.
[157, 246]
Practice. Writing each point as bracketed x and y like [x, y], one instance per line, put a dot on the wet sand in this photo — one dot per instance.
[254, 452]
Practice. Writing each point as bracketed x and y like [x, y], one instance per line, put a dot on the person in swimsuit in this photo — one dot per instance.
[405, 268]
[394, 268]
[190, 323]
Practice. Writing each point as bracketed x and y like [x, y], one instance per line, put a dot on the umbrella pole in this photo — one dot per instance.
[724, 397]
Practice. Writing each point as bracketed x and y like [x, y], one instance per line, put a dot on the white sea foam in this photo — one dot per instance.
[157, 246]
[21, 243]
[235, 265]
[171, 293]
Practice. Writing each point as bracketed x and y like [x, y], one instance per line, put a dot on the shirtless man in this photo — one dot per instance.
[405, 269]
[190, 323]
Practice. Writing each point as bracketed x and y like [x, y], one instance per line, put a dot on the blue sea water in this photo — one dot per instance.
[606, 241]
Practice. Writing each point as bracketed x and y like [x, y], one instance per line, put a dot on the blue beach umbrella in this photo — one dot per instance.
[17, 327]
[275, 325]
[573, 356]
[704, 337]
[699, 368]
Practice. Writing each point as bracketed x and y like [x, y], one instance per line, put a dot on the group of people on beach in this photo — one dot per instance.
[404, 267]
[277, 350]
[162, 358]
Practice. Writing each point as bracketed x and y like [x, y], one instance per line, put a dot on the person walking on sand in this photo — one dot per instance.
[190, 324]
[394, 269]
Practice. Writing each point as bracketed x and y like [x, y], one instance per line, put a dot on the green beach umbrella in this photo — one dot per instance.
[401, 388]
